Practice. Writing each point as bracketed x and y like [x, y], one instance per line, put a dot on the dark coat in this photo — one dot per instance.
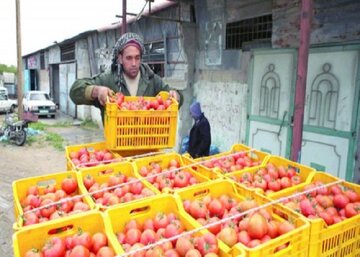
[200, 138]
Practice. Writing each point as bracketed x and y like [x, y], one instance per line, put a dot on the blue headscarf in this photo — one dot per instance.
[195, 110]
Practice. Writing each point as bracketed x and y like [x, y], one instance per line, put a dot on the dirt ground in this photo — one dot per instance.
[29, 161]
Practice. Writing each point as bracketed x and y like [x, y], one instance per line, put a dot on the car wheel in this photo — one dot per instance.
[12, 108]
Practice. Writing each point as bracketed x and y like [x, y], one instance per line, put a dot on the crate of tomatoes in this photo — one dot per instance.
[46, 198]
[239, 157]
[167, 173]
[158, 227]
[114, 184]
[83, 156]
[256, 228]
[132, 123]
[332, 206]
[274, 175]
[84, 234]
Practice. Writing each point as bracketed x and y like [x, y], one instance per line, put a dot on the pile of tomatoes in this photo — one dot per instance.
[170, 180]
[85, 158]
[270, 178]
[250, 230]
[333, 204]
[36, 198]
[117, 193]
[136, 235]
[237, 161]
[158, 103]
[80, 244]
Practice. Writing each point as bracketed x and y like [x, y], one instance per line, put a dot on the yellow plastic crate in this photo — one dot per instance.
[91, 147]
[297, 239]
[163, 160]
[341, 239]
[141, 211]
[304, 172]
[21, 186]
[36, 237]
[141, 129]
[102, 174]
[252, 153]
[130, 155]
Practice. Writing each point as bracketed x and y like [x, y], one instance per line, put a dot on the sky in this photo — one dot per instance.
[46, 21]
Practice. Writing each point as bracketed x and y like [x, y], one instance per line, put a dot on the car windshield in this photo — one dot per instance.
[39, 96]
[3, 97]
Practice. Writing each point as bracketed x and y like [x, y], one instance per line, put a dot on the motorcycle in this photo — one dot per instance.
[14, 129]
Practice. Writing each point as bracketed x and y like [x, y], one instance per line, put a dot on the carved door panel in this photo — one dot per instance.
[271, 106]
[330, 111]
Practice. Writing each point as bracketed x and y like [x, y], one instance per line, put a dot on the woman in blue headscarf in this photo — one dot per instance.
[200, 133]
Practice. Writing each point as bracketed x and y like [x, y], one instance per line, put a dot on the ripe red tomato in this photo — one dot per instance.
[105, 251]
[79, 251]
[183, 245]
[340, 201]
[148, 236]
[243, 237]
[216, 208]
[88, 181]
[49, 189]
[83, 238]
[207, 244]
[257, 227]
[32, 190]
[55, 247]
[228, 236]
[69, 185]
[46, 212]
[285, 227]
[351, 210]
[98, 240]
[160, 220]
[274, 185]
[198, 209]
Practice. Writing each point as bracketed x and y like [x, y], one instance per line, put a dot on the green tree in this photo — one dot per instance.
[5, 68]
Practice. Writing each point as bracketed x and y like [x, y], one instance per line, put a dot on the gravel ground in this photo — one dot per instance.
[33, 160]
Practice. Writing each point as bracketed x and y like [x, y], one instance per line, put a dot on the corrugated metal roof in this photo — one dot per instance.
[154, 9]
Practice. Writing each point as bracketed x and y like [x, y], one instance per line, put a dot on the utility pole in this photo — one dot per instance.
[20, 80]
[124, 21]
[305, 33]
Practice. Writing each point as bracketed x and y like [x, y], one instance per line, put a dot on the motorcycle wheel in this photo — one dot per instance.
[20, 138]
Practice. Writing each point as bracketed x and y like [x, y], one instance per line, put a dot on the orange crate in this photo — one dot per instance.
[296, 239]
[92, 148]
[141, 129]
[225, 162]
[36, 236]
[144, 210]
[304, 172]
[341, 239]
[162, 162]
[101, 175]
[21, 186]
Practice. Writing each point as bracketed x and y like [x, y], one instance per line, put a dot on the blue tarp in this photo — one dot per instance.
[185, 145]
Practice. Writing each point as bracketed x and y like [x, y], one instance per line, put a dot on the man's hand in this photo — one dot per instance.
[101, 93]
[174, 94]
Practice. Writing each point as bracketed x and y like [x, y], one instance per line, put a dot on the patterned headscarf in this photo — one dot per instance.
[125, 40]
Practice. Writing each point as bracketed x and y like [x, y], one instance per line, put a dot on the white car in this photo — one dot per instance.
[39, 103]
[6, 104]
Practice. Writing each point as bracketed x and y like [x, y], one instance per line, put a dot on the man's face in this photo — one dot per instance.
[130, 60]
